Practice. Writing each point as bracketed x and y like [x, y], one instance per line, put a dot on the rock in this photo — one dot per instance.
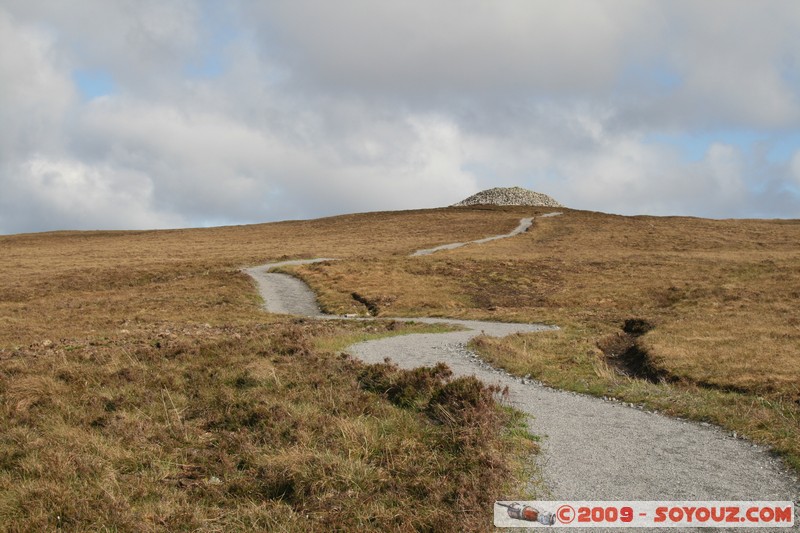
[509, 196]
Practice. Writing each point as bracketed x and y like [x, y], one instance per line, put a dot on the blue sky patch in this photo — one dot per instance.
[776, 148]
[94, 83]
[784, 147]
[694, 146]
[209, 67]
[656, 78]
[221, 32]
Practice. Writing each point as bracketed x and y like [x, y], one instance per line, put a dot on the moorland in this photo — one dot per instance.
[143, 387]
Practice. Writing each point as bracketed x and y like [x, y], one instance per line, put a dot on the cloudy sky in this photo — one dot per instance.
[170, 113]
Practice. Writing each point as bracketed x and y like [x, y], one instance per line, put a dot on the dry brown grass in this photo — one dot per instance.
[67, 283]
[143, 389]
[239, 429]
[137, 367]
[723, 295]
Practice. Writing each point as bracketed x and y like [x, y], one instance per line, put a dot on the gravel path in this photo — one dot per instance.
[592, 449]
[599, 450]
[285, 294]
[524, 224]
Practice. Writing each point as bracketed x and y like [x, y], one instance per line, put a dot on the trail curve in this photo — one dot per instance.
[592, 449]
[523, 226]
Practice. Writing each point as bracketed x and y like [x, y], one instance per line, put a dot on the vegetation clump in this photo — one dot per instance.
[187, 427]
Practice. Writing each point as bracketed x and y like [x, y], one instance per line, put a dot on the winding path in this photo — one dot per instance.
[524, 224]
[591, 449]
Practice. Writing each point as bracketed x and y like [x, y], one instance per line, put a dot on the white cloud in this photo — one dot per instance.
[69, 194]
[211, 166]
[204, 164]
[734, 57]
[728, 58]
[619, 171]
[454, 46]
[372, 105]
[424, 172]
[144, 44]
[35, 93]
[795, 167]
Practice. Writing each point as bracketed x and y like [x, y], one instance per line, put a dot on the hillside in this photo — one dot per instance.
[718, 300]
[124, 277]
[144, 389]
[120, 352]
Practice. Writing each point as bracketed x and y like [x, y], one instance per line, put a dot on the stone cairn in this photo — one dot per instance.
[509, 196]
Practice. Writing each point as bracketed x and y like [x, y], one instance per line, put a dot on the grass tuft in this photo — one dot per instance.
[232, 428]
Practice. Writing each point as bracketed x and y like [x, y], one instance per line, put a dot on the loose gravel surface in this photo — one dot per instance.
[524, 224]
[603, 450]
[592, 449]
[285, 294]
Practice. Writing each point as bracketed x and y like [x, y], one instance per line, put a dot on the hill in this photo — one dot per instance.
[144, 389]
[140, 376]
[696, 318]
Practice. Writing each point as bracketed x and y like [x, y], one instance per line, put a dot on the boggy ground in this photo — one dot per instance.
[720, 301]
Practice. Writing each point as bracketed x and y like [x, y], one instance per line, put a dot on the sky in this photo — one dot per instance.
[141, 114]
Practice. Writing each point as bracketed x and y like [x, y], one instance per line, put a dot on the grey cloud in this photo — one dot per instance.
[35, 95]
[729, 58]
[143, 44]
[735, 65]
[454, 47]
[64, 193]
[326, 108]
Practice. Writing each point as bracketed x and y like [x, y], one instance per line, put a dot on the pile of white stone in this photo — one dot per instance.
[509, 196]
